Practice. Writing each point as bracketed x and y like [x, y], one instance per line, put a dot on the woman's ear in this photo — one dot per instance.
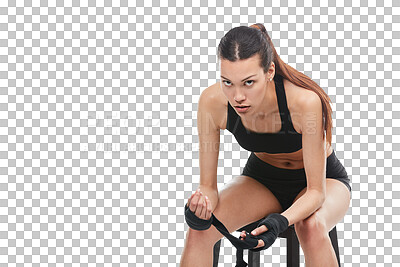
[269, 75]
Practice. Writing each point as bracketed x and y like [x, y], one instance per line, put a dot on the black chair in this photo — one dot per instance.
[292, 249]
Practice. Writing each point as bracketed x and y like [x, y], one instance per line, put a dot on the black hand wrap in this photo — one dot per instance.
[276, 224]
[195, 222]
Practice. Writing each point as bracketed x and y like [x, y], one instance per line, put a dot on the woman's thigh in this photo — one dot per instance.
[242, 200]
[336, 204]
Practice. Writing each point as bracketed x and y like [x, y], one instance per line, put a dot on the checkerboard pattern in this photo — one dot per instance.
[98, 138]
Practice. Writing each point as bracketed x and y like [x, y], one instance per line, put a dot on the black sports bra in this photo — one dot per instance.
[287, 140]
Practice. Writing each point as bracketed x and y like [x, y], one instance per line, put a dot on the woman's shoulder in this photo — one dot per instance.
[213, 104]
[296, 96]
[298, 99]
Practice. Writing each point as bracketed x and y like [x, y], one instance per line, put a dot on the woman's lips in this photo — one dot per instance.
[242, 109]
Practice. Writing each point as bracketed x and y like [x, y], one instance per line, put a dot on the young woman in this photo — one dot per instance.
[292, 175]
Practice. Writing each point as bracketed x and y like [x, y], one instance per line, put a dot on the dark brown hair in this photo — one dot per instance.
[243, 42]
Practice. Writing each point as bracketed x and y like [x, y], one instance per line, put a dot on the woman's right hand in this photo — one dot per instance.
[200, 205]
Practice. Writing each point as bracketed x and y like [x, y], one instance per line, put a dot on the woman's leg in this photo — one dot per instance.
[241, 201]
[313, 232]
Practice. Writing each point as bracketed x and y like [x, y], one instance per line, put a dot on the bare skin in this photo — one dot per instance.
[235, 209]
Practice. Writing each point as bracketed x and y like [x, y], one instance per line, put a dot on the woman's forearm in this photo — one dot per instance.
[306, 205]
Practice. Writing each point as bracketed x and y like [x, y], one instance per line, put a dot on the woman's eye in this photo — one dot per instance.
[251, 82]
[226, 83]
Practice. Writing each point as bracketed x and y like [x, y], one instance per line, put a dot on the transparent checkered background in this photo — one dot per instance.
[98, 138]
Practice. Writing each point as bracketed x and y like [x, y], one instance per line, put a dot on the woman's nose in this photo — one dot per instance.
[239, 97]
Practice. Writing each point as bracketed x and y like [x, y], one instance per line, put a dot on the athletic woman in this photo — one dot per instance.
[292, 175]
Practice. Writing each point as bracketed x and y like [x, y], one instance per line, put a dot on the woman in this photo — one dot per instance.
[292, 175]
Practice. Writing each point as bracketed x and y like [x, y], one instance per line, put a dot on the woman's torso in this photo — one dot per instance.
[272, 124]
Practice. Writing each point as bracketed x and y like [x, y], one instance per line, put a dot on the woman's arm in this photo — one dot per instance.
[208, 128]
[314, 158]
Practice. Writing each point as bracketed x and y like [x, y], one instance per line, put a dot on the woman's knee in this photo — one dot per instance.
[205, 238]
[311, 231]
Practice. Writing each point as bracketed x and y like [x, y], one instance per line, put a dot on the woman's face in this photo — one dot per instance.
[244, 82]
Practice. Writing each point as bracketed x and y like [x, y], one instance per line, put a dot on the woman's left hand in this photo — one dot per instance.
[268, 230]
[257, 231]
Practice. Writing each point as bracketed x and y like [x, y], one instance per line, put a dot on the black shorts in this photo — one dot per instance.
[286, 184]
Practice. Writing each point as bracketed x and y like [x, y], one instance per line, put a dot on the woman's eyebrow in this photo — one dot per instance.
[243, 79]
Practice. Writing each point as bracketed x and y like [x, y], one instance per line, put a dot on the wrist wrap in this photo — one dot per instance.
[195, 222]
[276, 224]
